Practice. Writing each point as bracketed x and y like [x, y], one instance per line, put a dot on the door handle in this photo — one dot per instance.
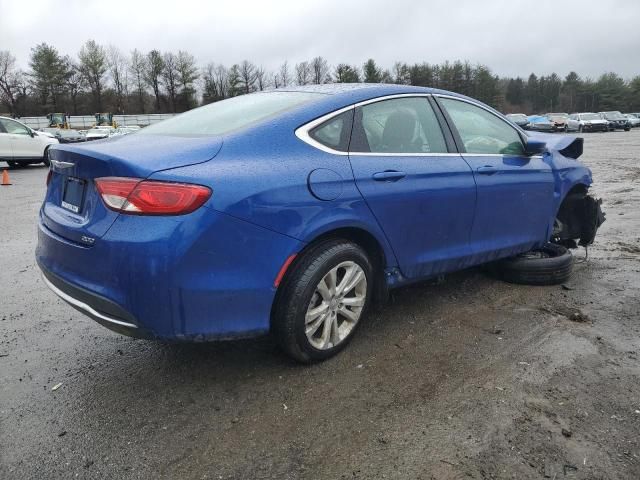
[487, 170]
[388, 176]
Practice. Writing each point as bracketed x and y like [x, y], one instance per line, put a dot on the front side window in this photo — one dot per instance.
[401, 125]
[14, 127]
[481, 131]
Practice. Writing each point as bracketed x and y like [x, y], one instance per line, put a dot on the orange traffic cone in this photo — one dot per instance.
[5, 178]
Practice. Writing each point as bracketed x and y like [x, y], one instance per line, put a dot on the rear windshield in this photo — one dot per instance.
[232, 114]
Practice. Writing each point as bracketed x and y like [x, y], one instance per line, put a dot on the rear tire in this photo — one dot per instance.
[550, 265]
[313, 320]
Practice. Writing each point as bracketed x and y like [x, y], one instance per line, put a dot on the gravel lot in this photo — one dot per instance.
[466, 378]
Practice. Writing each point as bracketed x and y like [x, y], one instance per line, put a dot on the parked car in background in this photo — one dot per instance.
[21, 145]
[634, 121]
[288, 211]
[65, 135]
[559, 121]
[540, 123]
[589, 122]
[97, 133]
[519, 119]
[616, 120]
[125, 131]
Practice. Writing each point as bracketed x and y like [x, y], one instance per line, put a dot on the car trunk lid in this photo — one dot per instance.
[73, 208]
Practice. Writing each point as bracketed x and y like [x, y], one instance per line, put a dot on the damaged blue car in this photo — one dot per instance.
[291, 211]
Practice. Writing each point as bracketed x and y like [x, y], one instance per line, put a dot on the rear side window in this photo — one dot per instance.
[400, 125]
[335, 132]
[481, 131]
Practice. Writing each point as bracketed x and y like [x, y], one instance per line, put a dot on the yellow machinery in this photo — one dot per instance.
[106, 120]
[58, 120]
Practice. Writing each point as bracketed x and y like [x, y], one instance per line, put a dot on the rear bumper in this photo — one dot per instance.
[203, 276]
[100, 309]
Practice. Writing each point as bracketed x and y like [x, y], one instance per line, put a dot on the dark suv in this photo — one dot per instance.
[616, 121]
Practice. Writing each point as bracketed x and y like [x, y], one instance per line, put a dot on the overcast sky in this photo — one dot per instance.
[512, 37]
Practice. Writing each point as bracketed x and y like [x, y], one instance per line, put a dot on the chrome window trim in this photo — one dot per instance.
[84, 307]
[302, 132]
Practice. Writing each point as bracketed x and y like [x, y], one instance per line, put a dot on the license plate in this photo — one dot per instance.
[73, 194]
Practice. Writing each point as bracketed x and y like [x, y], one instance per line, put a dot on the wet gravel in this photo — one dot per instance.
[466, 378]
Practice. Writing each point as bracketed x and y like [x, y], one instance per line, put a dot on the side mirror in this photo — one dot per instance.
[534, 146]
[32, 133]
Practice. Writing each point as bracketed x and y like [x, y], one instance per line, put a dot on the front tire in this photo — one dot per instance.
[323, 300]
[45, 157]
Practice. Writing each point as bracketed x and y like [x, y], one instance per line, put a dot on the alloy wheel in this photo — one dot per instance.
[336, 305]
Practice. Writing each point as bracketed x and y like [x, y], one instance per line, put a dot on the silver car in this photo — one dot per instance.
[633, 120]
[587, 122]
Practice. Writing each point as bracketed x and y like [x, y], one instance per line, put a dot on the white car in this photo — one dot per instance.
[587, 122]
[21, 145]
[97, 133]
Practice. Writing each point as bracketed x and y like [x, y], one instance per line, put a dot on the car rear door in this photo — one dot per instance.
[6, 150]
[421, 192]
[515, 191]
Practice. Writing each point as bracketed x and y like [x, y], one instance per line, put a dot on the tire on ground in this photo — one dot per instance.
[550, 265]
[297, 289]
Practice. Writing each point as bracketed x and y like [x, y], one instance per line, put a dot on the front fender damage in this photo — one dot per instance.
[578, 220]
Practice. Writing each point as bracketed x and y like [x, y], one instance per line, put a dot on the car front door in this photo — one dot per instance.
[24, 145]
[515, 191]
[6, 151]
[421, 192]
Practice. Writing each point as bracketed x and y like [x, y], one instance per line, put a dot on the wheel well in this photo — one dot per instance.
[360, 237]
[578, 217]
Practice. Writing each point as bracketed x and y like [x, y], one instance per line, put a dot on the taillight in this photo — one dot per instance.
[149, 197]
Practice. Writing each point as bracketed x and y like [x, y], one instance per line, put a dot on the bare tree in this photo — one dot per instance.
[261, 78]
[117, 68]
[153, 70]
[187, 75]
[170, 78]
[93, 65]
[215, 81]
[320, 69]
[303, 73]
[284, 74]
[248, 76]
[137, 66]
[221, 79]
[10, 79]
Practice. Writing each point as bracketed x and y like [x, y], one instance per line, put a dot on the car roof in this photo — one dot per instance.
[364, 90]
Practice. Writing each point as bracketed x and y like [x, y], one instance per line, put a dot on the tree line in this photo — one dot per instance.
[103, 78]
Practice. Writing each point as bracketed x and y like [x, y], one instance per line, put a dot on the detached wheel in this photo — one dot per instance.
[550, 265]
[323, 300]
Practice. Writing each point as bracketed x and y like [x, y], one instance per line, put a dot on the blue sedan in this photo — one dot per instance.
[290, 211]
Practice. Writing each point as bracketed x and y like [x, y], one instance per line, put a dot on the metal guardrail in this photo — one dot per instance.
[88, 121]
